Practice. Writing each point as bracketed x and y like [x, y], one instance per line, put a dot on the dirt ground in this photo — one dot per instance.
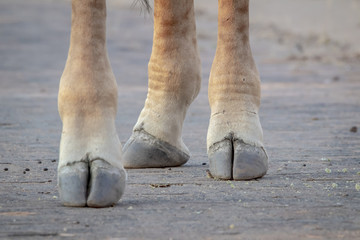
[308, 55]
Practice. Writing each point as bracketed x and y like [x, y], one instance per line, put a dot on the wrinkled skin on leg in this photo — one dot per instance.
[235, 147]
[90, 172]
[234, 140]
[174, 82]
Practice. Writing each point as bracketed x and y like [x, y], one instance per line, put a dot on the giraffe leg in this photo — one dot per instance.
[174, 82]
[234, 140]
[90, 172]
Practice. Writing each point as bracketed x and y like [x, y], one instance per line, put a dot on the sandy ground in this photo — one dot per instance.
[307, 53]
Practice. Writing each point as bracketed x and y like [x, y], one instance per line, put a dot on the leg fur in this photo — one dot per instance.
[90, 170]
[234, 138]
[174, 82]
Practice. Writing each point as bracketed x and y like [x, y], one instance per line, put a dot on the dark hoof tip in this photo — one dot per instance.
[107, 184]
[72, 182]
[101, 185]
[250, 162]
[143, 150]
[236, 160]
[220, 158]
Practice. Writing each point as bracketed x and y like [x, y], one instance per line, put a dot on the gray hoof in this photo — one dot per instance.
[72, 181]
[107, 184]
[236, 160]
[97, 184]
[143, 150]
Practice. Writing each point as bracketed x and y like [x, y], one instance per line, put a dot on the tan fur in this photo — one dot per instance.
[90, 149]
[87, 98]
[234, 86]
[174, 72]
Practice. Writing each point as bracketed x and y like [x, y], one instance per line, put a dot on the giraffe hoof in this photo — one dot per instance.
[72, 181]
[232, 159]
[94, 184]
[143, 150]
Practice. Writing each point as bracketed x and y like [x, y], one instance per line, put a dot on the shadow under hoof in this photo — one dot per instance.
[143, 150]
[94, 184]
[232, 159]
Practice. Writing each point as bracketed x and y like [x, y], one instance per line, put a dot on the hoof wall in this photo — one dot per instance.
[236, 160]
[143, 150]
[97, 184]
